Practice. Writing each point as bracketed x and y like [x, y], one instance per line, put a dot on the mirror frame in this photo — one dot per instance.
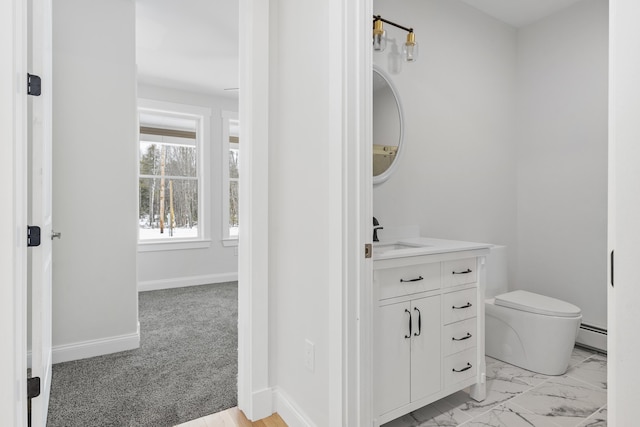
[379, 179]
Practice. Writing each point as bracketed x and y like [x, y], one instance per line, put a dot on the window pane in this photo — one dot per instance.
[179, 160]
[149, 159]
[178, 208]
[233, 208]
[233, 163]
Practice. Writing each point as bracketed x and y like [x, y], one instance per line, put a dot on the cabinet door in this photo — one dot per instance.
[392, 366]
[425, 347]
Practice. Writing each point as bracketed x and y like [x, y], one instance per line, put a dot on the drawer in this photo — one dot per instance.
[458, 336]
[410, 279]
[460, 305]
[459, 272]
[460, 366]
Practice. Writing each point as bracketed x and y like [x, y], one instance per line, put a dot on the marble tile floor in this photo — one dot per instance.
[517, 397]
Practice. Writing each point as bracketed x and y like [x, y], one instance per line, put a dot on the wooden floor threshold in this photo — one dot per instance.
[234, 417]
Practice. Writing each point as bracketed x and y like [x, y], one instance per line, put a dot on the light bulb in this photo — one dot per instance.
[410, 48]
[379, 36]
[379, 42]
[410, 52]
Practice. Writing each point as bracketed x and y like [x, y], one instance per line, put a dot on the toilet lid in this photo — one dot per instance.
[535, 303]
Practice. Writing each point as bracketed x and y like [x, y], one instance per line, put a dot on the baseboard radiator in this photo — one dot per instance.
[592, 337]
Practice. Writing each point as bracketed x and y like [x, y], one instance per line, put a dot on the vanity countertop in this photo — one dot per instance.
[415, 246]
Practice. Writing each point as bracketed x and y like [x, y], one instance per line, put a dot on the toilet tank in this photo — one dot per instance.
[496, 272]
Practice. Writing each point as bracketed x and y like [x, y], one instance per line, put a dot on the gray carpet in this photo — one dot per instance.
[185, 368]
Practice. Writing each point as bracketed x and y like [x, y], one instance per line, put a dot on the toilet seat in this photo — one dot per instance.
[535, 303]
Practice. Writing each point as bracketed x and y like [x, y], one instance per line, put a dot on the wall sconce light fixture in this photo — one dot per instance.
[409, 49]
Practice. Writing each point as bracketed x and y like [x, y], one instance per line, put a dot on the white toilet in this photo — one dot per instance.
[532, 331]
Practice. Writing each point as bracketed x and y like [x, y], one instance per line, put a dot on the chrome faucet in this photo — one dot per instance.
[376, 227]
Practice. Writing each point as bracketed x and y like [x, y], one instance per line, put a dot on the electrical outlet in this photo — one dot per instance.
[309, 355]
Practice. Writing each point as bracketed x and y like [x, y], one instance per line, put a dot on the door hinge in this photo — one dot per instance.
[34, 85]
[33, 387]
[33, 235]
[368, 251]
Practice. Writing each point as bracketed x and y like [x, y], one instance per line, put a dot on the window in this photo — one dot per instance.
[171, 174]
[231, 175]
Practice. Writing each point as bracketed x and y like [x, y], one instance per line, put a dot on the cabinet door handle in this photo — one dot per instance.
[417, 279]
[467, 305]
[417, 334]
[407, 311]
[463, 369]
[467, 271]
[466, 337]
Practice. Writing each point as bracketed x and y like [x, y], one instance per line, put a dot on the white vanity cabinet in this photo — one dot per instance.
[428, 330]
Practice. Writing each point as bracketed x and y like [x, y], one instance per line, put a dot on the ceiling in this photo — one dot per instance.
[519, 13]
[193, 44]
[188, 44]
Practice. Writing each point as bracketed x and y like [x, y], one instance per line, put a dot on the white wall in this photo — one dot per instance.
[562, 157]
[456, 177]
[94, 166]
[302, 212]
[216, 263]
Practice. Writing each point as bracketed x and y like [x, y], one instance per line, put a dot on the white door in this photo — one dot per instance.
[425, 347]
[392, 364]
[624, 213]
[40, 116]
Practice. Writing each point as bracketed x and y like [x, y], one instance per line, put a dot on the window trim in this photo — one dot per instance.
[226, 117]
[203, 146]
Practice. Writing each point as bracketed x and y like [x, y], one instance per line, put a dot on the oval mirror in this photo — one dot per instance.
[388, 126]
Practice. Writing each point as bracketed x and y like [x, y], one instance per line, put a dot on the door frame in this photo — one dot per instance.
[624, 209]
[358, 213]
[13, 219]
[254, 392]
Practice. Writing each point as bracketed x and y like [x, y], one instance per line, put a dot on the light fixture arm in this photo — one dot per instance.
[386, 21]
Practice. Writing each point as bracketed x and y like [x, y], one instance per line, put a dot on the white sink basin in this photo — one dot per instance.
[386, 247]
[415, 246]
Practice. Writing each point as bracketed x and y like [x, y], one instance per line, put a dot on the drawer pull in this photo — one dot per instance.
[407, 311]
[466, 337]
[467, 305]
[467, 271]
[412, 280]
[463, 369]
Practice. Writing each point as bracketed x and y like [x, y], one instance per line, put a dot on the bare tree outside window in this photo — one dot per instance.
[233, 187]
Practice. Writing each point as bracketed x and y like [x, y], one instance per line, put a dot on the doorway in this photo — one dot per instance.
[199, 258]
[187, 59]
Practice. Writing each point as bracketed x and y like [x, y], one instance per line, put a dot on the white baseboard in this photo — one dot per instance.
[262, 403]
[592, 337]
[181, 282]
[289, 411]
[99, 347]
